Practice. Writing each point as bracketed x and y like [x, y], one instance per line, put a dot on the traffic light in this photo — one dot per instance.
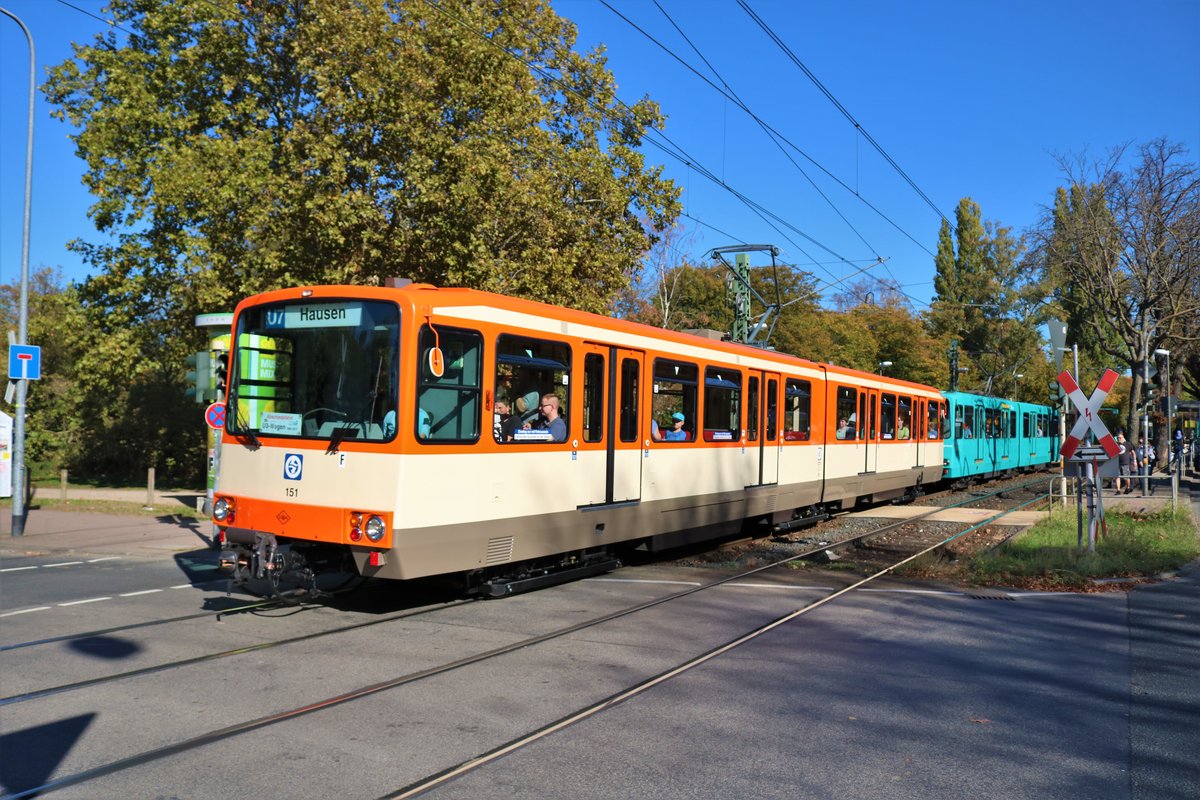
[221, 371]
[1149, 396]
[200, 375]
[1056, 393]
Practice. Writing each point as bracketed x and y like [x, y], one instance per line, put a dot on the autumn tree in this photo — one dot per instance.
[1121, 251]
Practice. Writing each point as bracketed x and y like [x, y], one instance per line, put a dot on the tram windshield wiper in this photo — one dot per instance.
[338, 436]
[243, 428]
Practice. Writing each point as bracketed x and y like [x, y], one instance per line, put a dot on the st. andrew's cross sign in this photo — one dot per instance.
[1089, 414]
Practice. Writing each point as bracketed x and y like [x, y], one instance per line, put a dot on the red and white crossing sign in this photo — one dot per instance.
[1089, 414]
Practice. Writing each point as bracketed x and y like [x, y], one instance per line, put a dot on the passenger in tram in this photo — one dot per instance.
[844, 429]
[655, 432]
[506, 423]
[677, 433]
[527, 408]
[903, 432]
[551, 421]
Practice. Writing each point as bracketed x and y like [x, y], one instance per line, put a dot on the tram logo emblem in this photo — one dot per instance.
[293, 466]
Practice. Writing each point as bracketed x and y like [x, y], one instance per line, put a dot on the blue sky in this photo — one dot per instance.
[968, 98]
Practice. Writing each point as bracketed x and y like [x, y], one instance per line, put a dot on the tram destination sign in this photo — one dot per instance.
[315, 315]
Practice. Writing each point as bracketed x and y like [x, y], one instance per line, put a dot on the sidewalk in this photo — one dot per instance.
[84, 532]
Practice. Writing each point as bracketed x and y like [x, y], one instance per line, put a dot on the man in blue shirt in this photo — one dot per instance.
[553, 422]
[677, 433]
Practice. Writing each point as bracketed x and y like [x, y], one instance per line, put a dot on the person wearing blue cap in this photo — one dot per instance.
[677, 433]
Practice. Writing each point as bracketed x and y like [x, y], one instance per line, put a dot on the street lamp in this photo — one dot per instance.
[19, 506]
[883, 365]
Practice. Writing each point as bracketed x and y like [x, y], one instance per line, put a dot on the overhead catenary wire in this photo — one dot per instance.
[776, 142]
[776, 135]
[837, 104]
[667, 146]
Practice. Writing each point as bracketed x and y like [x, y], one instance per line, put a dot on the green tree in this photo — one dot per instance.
[984, 299]
[235, 148]
[101, 409]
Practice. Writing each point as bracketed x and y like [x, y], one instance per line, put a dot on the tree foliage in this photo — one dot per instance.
[239, 147]
[1120, 250]
[985, 300]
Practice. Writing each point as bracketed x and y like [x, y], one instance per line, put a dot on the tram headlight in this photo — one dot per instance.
[375, 528]
[223, 510]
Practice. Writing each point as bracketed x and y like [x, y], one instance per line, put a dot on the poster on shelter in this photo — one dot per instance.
[6, 436]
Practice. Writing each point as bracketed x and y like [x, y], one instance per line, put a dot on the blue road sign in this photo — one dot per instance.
[214, 415]
[24, 362]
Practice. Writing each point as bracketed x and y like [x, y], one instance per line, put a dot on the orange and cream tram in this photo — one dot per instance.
[364, 433]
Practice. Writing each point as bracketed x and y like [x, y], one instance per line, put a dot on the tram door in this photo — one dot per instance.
[919, 422]
[871, 429]
[625, 426]
[762, 428]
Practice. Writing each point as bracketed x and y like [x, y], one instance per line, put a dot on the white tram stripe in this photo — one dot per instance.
[17, 569]
[135, 594]
[24, 611]
[81, 602]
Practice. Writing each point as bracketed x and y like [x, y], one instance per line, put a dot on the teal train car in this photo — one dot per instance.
[988, 436]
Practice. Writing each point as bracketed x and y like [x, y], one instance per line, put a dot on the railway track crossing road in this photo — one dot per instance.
[1089, 414]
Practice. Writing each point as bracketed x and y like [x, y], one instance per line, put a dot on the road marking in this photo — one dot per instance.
[183, 586]
[63, 564]
[17, 569]
[633, 580]
[144, 591]
[24, 611]
[106, 558]
[782, 586]
[913, 591]
[81, 602]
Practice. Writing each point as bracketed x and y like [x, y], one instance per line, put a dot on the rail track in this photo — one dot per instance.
[150, 755]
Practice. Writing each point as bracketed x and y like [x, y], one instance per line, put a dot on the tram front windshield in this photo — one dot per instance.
[321, 368]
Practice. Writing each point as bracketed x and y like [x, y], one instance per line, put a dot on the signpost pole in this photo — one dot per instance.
[20, 497]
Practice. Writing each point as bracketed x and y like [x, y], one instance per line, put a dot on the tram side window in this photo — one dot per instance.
[772, 403]
[752, 409]
[448, 406]
[933, 418]
[904, 418]
[628, 398]
[847, 401]
[968, 422]
[1027, 424]
[527, 369]
[593, 397]
[676, 387]
[797, 410]
[887, 420]
[1012, 423]
[722, 404]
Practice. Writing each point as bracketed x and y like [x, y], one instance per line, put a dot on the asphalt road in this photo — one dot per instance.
[888, 692]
